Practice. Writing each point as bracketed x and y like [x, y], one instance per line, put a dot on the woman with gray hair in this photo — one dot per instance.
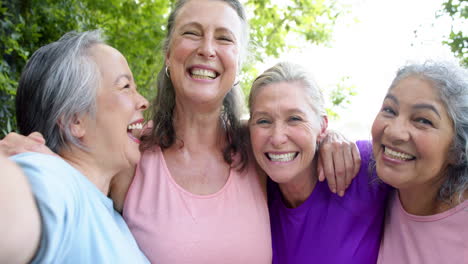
[420, 146]
[309, 224]
[80, 94]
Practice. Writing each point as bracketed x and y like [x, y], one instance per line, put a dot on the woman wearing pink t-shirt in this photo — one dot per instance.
[420, 145]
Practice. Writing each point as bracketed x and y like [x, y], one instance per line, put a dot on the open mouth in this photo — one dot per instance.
[284, 157]
[202, 74]
[135, 129]
[397, 155]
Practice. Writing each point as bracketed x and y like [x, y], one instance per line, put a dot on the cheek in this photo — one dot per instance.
[377, 128]
[259, 140]
[179, 50]
[230, 57]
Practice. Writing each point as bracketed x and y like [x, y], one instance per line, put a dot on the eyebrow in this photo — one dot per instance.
[416, 106]
[426, 106]
[289, 111]
[196, 24]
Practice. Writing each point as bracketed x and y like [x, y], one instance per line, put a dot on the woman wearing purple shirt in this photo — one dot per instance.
[309, 223]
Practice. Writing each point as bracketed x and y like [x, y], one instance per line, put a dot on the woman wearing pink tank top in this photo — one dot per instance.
[196, 196]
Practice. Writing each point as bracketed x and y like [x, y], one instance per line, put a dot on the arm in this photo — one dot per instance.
[339, 162]
[20, 222]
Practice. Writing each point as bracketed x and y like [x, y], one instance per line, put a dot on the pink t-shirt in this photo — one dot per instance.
[172, 225]
[434, 239]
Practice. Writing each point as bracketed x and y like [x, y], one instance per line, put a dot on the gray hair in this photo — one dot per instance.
[163, 132]
[58, 84]
[290, 72]
[451, 82]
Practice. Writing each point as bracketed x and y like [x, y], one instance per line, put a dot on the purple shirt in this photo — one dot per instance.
[327, 228]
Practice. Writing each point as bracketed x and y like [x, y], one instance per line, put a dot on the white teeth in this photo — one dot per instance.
[397, 155]
[203, 73]
[135, 126]
[282, 157]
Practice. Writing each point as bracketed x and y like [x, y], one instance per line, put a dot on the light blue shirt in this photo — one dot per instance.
[79, 223]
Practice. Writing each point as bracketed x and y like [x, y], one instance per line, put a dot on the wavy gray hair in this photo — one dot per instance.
[58, 83]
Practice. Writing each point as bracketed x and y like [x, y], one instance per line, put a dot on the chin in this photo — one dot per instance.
[280, 179]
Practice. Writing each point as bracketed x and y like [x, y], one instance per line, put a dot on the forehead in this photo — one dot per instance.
[414, 89]
[209, 13]
[110, 62]
[282, 96]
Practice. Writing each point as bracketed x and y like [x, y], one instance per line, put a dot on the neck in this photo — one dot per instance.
[90, 167]
[199, 128]
[297, 190]
[423, 200]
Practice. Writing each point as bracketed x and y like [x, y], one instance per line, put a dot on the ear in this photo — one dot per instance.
[166, 59]
[77, 126]
[323, 129]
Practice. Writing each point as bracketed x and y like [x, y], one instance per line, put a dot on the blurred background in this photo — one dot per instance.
[352, 47]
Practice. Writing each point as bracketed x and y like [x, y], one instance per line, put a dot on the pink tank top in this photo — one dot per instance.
[174, 226]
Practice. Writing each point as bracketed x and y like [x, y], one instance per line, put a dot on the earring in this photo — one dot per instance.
[167, 72]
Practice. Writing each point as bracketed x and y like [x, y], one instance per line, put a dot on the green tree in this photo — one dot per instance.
[137, 28]
[458, 38]
[277, 25]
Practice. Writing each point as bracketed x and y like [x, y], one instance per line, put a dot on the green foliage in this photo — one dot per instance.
[276, 25]
[133, 28]
[137, 28]
[458, 38]
[340, 96]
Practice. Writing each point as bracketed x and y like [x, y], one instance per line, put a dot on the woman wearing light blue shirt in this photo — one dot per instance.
[80, 94]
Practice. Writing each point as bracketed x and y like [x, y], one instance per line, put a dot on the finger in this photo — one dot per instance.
[321, 176]
[15, 143]
[326, 153]
[349, 165]
[340, 174]
[356, 159]
[37, 137]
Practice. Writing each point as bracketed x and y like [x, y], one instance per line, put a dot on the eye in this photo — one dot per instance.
[388, 110]
[424, 121]
[295, 118]
[127, 86]
[226, 38]
[191, 33]
[262, 121]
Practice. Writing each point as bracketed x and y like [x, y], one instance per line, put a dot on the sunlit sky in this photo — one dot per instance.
[369, 44]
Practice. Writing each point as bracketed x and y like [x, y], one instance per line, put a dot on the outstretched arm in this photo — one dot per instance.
[339, 162]
[20, 223]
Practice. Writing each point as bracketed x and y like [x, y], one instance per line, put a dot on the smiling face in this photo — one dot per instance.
[284, 130]
[412, 135]
[203, 54]
[112, 134]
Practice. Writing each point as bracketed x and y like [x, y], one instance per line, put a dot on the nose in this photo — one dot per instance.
[279, 135]
[142, 103]
[207, 48]
[397, 131]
